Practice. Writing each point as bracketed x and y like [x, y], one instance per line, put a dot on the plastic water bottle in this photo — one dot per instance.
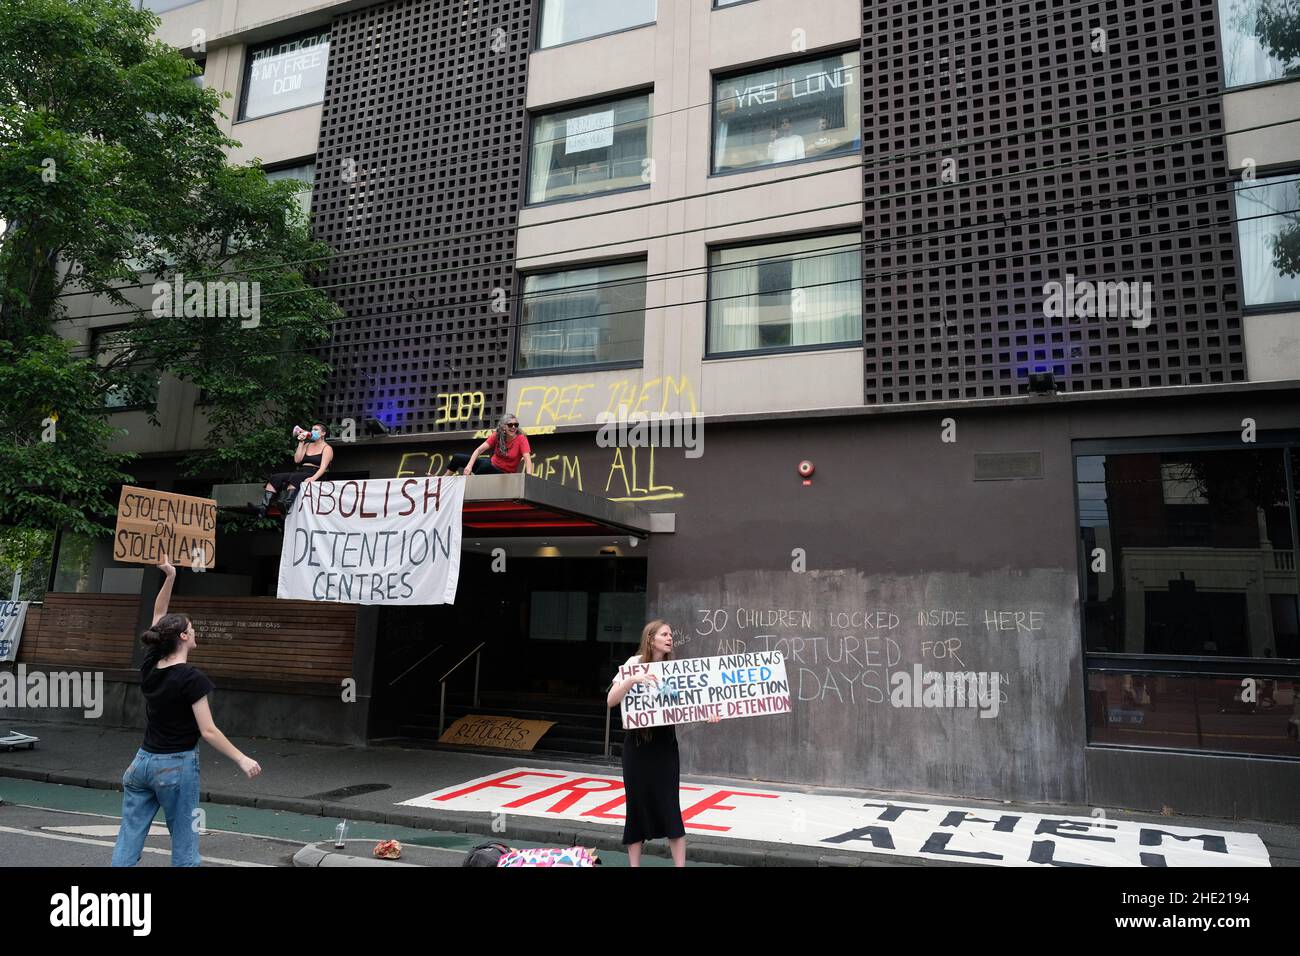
[341, 835]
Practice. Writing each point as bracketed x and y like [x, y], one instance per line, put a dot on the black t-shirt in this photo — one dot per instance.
[170, 694]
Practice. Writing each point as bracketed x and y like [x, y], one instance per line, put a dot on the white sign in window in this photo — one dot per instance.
[593, 131]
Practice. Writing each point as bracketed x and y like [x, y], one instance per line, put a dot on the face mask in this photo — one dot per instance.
[315, 434]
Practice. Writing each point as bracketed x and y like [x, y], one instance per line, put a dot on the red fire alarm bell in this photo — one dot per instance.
[806, 470]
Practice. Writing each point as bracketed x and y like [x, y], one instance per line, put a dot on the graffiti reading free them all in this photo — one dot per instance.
[628, 473]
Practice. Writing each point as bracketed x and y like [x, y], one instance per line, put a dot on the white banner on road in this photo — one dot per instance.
[12, 615]
[693, 689]
[956, 833]
[386, 541]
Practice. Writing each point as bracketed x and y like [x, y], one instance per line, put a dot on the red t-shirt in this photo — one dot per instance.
[513, 455]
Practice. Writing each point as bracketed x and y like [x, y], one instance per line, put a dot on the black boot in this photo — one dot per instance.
[286, 498]
[266, 502]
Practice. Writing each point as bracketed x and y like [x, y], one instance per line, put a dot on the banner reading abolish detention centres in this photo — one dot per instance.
[692, 689]
[386, 541]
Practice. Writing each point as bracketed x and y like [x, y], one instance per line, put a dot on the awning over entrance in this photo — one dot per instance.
[521, 505]
[517, 506]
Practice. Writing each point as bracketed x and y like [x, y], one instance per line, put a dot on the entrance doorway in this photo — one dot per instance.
[555, 620]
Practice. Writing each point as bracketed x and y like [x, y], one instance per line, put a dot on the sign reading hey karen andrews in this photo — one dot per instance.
[386, 541]
[154, 524]
[699, 688]
[12, 615]
[833, 824]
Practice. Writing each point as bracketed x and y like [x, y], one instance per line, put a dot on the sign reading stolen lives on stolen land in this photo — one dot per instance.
[153, 524]
[503, 733]
[385, 541]
[12, 615]
[693, 689]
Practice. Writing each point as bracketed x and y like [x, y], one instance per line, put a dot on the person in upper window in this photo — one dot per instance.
[508, 446]
[787, 146]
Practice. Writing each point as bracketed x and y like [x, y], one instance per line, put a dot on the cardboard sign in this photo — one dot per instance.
[151, 524]
[503, 733]
[693, 689]
[12, 615]
[386, 541]
[993, 836]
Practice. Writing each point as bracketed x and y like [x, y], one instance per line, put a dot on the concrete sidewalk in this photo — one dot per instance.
[366, 783]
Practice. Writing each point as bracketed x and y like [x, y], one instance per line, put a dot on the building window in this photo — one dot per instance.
[305, 173]
[1270, 246]
[1190, 617]
[564, 21]
[726, 3]
[285, 75]
[590, 149]
[786, 113]
[1261, 40]
[792, 294]
[580, 317]
[106, 345]
[197, 80]
[162, 6]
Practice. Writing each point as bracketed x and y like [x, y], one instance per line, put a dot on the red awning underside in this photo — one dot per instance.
[521, 518]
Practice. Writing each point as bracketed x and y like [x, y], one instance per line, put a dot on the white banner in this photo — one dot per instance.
[12, 615]
[386, 541]
[592, 131]
[693, 689]
[956, 833]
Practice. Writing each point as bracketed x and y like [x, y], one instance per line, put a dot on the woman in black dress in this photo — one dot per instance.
[651, 765]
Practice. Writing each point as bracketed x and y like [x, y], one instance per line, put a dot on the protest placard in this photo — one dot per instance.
[154, 524]
[386, 541]
[503, 733]
[693, 689]
[12, 616]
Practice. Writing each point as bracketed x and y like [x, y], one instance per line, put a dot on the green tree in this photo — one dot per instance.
[112, 161]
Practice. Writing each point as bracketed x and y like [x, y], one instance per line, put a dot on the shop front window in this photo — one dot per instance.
[1190, 600]
[1268, 230]
[786, 113]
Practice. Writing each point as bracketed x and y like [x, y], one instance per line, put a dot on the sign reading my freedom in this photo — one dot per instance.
[699, 688]
[386, 541]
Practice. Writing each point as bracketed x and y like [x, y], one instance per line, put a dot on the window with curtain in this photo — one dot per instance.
[590, 149]
[578, 317]
[792, 294]
[787, 113]
[564, 21]
[285, 75]
[1268, 231]
[1261, 40]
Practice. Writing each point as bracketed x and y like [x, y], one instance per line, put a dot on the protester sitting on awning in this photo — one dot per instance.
[508, 445]
[311, 459]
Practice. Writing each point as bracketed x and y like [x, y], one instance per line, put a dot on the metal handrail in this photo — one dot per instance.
[415, 665]
[442, 704]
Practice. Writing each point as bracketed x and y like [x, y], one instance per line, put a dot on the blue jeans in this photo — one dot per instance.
[169, 781]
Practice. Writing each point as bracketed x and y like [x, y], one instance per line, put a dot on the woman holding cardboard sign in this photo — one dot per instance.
[165, 771]
[651, 763]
